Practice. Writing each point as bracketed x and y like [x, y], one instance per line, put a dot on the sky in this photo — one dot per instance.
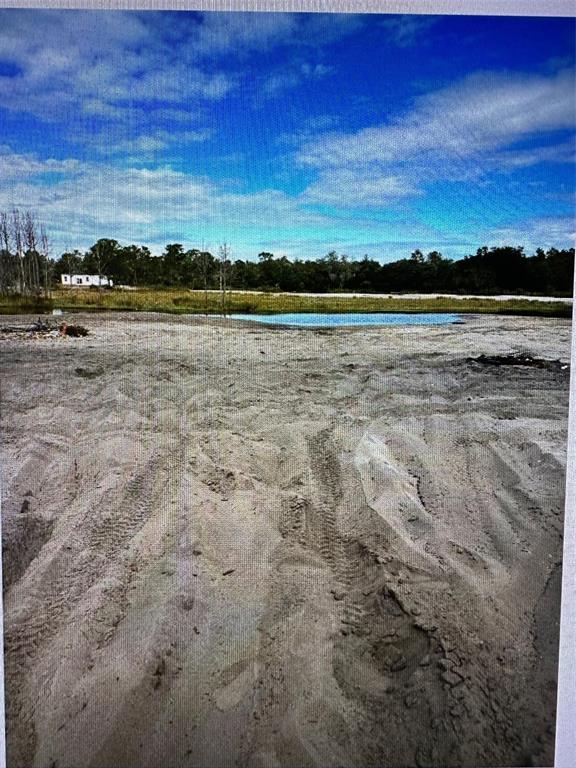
[295, 134]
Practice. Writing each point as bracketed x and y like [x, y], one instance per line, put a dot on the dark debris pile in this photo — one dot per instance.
[520, 359]
[42, 330]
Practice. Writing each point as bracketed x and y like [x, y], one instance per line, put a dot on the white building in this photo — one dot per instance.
[86, 280]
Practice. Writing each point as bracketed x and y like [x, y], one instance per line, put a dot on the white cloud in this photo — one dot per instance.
[243, 33]
[144, 146]
[458, 133]
[65, 36]
[18, 166]
[564, 152]
[318, 29]
[146, 205]
[154, 207]
[219, 33]
[406, 31]
[97, 64]
[80, 203]
[544, 232]
[86, 69]
[98, 108]
[280, 81]
[175, 83]
[484, 112]
[294, 76]
[357, 188]
[316, 70]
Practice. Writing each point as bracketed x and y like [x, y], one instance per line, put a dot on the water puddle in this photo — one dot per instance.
[331, 320]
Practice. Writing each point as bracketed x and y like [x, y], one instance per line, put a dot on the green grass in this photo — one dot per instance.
[181, 301]
[24, 305]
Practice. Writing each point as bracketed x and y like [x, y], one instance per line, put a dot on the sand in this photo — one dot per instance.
[236, 545]
[354, 295]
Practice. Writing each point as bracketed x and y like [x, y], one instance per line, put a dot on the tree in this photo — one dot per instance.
[69, 263]
[417, 256]
[245, 274]
[173, 260]
[30, 242]
[267, 270]
[47, 261]
[337, 269]
[8, 273]
[204, 266]
[103, 258]
[434, 258]
[438, 275]
[17, 237]
[560, 269]
[23, 253]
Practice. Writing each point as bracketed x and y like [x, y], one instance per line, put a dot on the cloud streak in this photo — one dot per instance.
[456, 133]
[408, 31]
[483, 112]
[292, 77]
[112, 66]
[349, 188]
[28, 166]
[141, 204]
[545, 232]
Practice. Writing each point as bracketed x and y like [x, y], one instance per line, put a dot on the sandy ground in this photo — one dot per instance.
[233, 545]
[500, 297]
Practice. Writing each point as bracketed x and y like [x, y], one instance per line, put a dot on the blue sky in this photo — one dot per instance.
[291, 133]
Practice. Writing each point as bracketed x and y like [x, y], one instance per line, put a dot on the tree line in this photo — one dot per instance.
[26, 267]
[501, 269]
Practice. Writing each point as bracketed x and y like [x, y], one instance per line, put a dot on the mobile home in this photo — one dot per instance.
[81, 281]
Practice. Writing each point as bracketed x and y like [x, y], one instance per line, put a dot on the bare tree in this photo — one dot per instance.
[30, 238]
[46, 262]
[24, 254]
[6, 258]
[18, 249]
[98, 255]
[204, 270]
[224, 253]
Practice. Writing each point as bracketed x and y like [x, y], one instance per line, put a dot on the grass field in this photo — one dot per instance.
[189, 302]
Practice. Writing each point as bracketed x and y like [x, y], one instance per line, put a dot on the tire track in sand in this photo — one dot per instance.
[383, 660]
[110, 529]
[374, 655]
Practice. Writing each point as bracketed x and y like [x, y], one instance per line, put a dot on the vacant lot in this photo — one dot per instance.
[232, 545]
